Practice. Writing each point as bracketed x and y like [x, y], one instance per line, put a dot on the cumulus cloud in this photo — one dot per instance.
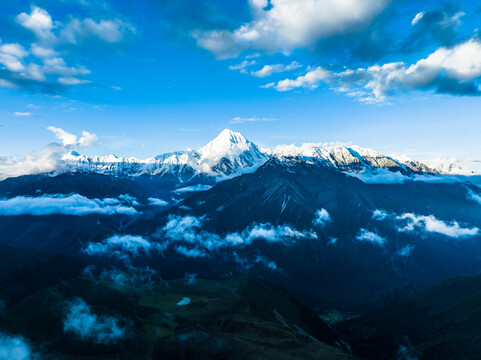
[39, 22]
[268, 70]
[285, 25]
[451, 70]
[73, 204]
[365, 235]
[87, 139]
[15, 348]
[80, 321]
[42, 68]
[433, 225]
[322, 217]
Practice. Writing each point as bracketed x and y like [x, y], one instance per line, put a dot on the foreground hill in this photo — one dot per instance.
[143, 317]
[438, 323]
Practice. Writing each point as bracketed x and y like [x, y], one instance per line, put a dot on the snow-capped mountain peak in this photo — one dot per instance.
[229, 153]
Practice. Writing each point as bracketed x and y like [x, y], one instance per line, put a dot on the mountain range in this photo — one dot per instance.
[343, 229]
[231, 154]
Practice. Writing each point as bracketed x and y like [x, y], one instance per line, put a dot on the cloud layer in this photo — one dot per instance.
[73, 204]
[49, 159]
[186, 235]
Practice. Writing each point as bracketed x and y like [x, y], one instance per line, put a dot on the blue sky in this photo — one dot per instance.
[155, 76]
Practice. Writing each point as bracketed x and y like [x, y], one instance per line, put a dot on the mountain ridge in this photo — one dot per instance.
[230, 154]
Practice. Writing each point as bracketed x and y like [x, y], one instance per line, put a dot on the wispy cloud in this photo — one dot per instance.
[16, 348]
[82, 322]
[22, 114]
[240, 120]
[268, 70]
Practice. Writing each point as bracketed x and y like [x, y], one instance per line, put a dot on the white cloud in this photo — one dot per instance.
[379, 215]
[288, 25]
[22, 114]
[433, 225]
[15, 348]
[124, 247]
[72, 81]
[451, 166]
[242, 66]
[110, 31]
[192, 253]
[268, 70]
[50, 34]
[269, 264]
[11, 56]
[186, 233]
[406, 251]
[157, 202]
[375, 84]
[474, 197]
[39, 22]
[198, 187]
[80, 321]
[370, 237]
[15, 50]
[68, 139]
[380, 176]
[310, 80]
[417, 18]
[49, 159]
[43, 52]
[322, 217]
[73, 204]
[240, 120]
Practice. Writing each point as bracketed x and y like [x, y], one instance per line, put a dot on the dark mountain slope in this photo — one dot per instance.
[439, 323]
[242, 318]
[25, 271]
